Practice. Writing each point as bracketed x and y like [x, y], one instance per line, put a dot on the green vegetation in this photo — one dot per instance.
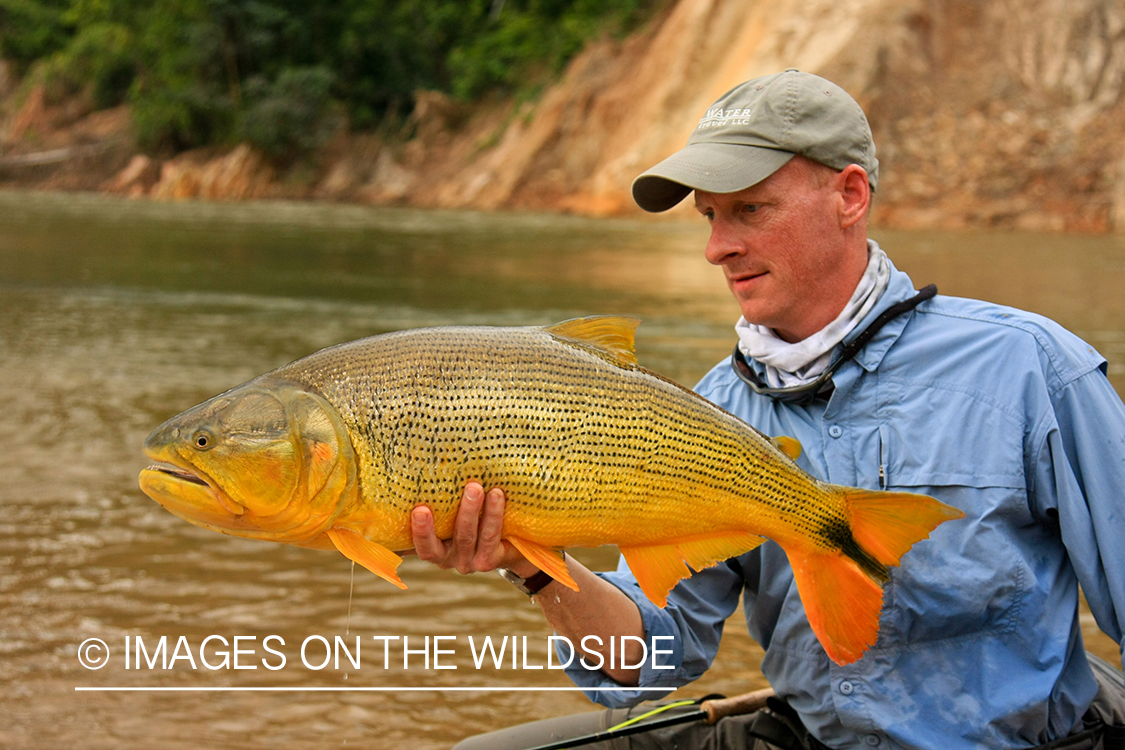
[279, 73]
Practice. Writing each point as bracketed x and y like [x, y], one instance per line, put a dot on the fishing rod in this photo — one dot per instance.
[710, 710]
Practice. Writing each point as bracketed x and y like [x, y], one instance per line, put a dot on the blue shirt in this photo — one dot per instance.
[998, 412]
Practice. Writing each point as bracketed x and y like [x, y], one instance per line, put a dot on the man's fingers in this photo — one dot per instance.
[489, 547]
[426, 544]
[466, 527]
[476, 544]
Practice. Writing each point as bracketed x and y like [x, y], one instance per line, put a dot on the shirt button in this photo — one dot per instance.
[872, 740]
[835, 430]
[846, 687]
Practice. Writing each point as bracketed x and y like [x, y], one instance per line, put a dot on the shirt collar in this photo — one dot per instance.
[899, 288]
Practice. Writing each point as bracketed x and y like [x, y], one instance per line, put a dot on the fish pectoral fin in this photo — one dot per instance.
[659, 567]
[550, 561]
[375, 557]
[789, 446]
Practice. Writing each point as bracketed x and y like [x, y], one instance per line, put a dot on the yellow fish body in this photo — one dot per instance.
[334, 450]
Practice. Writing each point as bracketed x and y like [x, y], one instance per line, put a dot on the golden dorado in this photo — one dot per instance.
[334, 450]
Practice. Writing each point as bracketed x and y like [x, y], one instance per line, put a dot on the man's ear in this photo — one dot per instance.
[855, 194]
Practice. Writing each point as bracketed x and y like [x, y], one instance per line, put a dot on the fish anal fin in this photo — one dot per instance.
[843, 604]
[659, 567]
[375, 557]
[887, 524]
[610, 335]
[550, 561]
[789, 446]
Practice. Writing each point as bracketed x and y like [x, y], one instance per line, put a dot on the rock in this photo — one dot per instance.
[136, 179]
[390, 181]
[236, 176]
[178, 180]
[434, 115]
[31, 116]
[239, 175]
[340, 181]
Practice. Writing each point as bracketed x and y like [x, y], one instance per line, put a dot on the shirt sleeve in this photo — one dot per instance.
[689, 627]
[1079, 478]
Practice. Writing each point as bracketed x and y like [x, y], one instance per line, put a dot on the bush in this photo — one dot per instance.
[32, 30]
[99, 57]
[203, 72]
[529, 40]
[181, 95]
[291, 115]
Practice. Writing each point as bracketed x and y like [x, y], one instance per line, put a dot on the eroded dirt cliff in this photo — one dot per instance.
[1000, 113]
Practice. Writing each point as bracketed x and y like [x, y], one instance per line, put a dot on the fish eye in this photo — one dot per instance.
[202, 440]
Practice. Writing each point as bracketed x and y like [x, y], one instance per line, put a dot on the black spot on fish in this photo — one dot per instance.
[838, 533]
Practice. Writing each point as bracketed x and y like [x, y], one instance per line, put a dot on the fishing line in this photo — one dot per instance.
[348, 619]
[351, 588]
[653, 712]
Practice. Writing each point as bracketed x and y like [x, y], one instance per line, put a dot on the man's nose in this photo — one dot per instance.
[724, 245]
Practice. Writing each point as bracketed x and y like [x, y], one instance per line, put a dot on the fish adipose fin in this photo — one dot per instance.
[789, 446]
[375, 557]
[841, 587]
[659, 567]
[611, 336]
[550, 561]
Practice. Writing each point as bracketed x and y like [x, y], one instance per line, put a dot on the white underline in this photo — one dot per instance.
[367, 689]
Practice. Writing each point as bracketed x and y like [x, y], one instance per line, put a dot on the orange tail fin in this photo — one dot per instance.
[840, 579]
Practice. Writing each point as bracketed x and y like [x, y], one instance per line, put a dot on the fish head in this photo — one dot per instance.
[263, 460]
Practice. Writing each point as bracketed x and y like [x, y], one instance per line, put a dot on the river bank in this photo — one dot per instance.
[1004, 115]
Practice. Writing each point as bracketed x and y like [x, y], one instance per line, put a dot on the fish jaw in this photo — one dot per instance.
[189, 496]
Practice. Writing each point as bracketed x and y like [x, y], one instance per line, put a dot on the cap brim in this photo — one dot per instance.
[712, 167]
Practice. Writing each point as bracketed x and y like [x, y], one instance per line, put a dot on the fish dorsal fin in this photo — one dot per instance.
[611, 336]
[789, 446]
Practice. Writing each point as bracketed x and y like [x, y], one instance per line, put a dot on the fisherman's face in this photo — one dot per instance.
[781, 246]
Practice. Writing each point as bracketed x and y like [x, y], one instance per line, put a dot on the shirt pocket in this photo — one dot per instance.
[950, 438]
[969, 577]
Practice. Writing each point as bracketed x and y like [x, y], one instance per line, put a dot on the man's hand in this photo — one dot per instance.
[598, 609]
[476, 545]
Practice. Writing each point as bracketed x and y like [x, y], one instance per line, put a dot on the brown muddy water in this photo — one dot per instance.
[115, 315]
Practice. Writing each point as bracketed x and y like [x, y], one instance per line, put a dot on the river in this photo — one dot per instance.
[115, 315]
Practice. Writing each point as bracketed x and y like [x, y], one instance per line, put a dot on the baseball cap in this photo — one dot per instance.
[753, 130]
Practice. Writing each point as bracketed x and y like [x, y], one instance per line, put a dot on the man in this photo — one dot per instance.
[998, 412]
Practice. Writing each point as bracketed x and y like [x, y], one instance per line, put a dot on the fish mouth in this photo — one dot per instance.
[180, 474]
[187, 493]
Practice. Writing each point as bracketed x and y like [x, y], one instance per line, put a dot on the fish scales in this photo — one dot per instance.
[337, 449]
[551, 423]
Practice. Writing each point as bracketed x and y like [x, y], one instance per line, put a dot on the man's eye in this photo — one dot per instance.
[750, 208]
[709, 215]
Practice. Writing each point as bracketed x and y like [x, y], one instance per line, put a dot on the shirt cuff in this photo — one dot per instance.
[663, 655]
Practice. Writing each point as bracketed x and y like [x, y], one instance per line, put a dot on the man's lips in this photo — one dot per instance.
[741, 280]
